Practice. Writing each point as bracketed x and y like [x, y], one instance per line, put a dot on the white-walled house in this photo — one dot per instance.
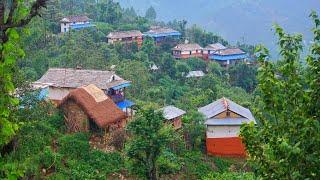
[223, 122]
[75, 22]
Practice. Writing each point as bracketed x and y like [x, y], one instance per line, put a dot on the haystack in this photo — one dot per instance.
[88, 108]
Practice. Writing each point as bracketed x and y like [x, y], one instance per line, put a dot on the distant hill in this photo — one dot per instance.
[236, 20]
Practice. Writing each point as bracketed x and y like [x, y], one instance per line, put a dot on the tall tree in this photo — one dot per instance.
[149, 138]
[151, 14]
[13, 14]
[286, 144]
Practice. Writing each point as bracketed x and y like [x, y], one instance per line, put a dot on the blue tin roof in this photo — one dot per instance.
[121, 86]
[227, 57]
[125, 104]
[155, 35]
[81, 26]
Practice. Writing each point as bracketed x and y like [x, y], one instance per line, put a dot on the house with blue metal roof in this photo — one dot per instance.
[75, 23]
[159, 34]
[58, 82]
[228, 56]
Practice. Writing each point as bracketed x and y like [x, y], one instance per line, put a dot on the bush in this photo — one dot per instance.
[195, 165]
[168, 163]
[48, 159]
[229, 176]
[74, 145]
[33, 138]
[222, 164]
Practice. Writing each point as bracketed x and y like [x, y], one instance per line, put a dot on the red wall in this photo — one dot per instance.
[226, 147]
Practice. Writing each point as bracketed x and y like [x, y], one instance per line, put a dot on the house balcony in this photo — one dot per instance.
[81, 26]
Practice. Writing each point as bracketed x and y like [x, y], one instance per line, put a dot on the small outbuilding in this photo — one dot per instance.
[223, 121]
[89, 109]
[195, 74]
[173, 115]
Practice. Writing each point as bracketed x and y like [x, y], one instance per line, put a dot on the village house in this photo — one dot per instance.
[223, 121]
[185, 51]
[125, 37]
[228, 56]
[89, 109]
[159, 34]
[212, 48]
[173, 116]
[195, 74]
[58, 82]
[74, 23]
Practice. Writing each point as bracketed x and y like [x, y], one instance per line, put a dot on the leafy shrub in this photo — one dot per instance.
[195, 164]
[222, 164]
[33, 138]
[48, 159]
[74, 145]
[229, 176]
[168, 163]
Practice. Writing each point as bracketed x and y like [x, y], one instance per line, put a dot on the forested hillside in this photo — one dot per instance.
[245, 20]
[35, 142]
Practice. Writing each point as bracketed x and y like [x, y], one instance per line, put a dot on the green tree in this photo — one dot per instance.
[13, 14]
[244, 76]
[148, 139]
[286, 143]
[151, 14]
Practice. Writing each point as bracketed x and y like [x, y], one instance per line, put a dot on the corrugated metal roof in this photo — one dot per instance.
[171, 112]
[74, 78]
[223, 104]
[229, 51]
[161, 30]
[215, 47]
[227, 121]
[124, 34]
[187, 47]
[80, 18]
[195, 74]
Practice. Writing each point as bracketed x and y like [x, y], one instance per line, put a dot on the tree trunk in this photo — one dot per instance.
[152, 171]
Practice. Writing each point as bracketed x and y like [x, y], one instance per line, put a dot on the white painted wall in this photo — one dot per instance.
[185, 52]
[65, 25]
[222, 131]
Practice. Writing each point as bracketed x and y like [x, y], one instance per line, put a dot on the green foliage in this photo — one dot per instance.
[151, 14]
[243, 76]
[286, 143]
[149, 137]
[229, 176]
[194, 130]
[168, 163]
[74, 145]
[49, 159]
[195, 165]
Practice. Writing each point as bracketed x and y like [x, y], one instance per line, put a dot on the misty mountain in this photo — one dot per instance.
[247, 21]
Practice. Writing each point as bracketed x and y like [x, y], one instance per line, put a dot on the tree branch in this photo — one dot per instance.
[2, 12]
[35, 9]
[12, 9]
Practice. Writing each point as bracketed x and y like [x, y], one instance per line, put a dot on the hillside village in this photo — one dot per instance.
[107, 94]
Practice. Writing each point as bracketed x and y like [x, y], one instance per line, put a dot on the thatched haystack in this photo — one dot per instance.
[89, 109]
